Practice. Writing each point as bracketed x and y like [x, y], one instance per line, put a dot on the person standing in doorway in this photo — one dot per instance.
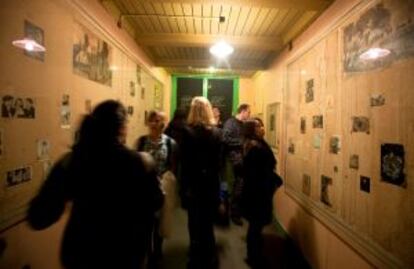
[232, 136]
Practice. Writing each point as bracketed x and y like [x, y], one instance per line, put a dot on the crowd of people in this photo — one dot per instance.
[120, 197]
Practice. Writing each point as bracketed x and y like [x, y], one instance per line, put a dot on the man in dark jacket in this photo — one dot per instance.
[232, 137]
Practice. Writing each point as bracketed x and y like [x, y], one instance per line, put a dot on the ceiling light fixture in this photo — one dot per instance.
[374, 53]
[221, 49]
[28, 44]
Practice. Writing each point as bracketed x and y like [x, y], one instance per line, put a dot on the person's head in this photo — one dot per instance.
[105, 125]
[155, 122]
[253, 129]
[216, 113]
[201, 112]
[243, 112]
[259, 130]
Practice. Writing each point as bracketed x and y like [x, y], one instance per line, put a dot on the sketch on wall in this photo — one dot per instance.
[65, 111]
[18, 176]
[35, 33]
[18, 107]
[43, 148]
[388, 25]
[392, 164]
[309, 91]
[91, 56]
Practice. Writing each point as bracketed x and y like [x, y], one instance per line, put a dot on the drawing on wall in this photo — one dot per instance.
[43, 148]
[325, 183]
[365, 184]
[388, 25]
[18, 176]
[302, 125]
[317, 141]
[354, 162]
[309, 91]
[91, 56]
[317, 121]
[132, 88]
[18, 107]
[291, 148]
[65, 112]
[138, 74]
[1, 143]
[306, 184]
[35, 33]
[392, 164]
[360, 124]
[142, 93]
[88, 106]
[377, 100]
[130, 110]
[334, 145]
[158, 96]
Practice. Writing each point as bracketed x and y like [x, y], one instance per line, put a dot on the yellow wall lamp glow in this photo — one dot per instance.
[28, 45]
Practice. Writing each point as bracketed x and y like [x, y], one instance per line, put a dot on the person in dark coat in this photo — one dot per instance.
[113, 191]
[260, 182]
[200, 162]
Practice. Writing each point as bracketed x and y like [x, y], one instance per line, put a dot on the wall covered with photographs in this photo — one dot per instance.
[349, 131]
[43, 96]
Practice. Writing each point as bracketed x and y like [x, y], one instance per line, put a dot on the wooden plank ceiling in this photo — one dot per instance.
[177, 34]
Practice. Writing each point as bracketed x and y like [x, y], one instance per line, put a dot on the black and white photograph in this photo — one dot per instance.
[132, 88]
[130, 110]
[325, 183]
[18, 107]
[392, 164]
[302, 125]
[43, 148]
[360, 124]
[306, 184]
[334, 145]
[309, 91]
[291, 148]
[365, 184]
[317, 121]
[354, 162]
[18, 176]
[35, 33]
[65, 112]
[377, 100]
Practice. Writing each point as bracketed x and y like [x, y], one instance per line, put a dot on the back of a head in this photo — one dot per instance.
[200, 112]
[249, 129]
[242, 108]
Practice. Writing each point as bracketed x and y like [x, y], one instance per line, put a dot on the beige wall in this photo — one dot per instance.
[46, 82]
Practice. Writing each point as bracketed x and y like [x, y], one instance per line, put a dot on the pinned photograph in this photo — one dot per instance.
[309, 91]
[317, 141]
[65, 112]
[291, 148]
[377, 100]
[365, 184]
[1, 143]
[88, 106]
[354, 162]
[317, 121]
[18, 176]
[130, 110]
[17, 107]
[392, 164]
[132, 88]
[360, 124]
[43, 147]
[302, 125]
[325, 183]
[35, 33]
[306, 184]
[334, 145]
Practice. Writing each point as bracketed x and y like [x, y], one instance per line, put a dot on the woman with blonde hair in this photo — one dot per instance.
[200, 162]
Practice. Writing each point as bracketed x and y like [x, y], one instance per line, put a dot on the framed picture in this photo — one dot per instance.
[273, 117]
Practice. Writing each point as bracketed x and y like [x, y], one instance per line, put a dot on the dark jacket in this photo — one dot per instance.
[259, 181]
[201, 153]
[232, 138]
[114, 193]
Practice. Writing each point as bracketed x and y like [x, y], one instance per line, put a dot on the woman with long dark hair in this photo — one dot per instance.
[114, 193]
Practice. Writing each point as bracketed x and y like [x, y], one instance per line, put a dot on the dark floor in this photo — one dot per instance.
[279, 250]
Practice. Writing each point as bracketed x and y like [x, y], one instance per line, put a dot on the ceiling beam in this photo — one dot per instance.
[200, 40]
[205, 63]
[278, 4]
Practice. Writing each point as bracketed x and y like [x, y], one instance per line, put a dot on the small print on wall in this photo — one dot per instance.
[354, 162]
[360, 124]
[302, 125]
[65, 112]
[132, 88]
[392, 164]
[35, 33]
[306, 184]
[130, 110]
[325, 183]
[309, 91]
[377, 100]
[365, 184]
[317, 141]
[334, 145]
[317, 121]
[43, 148]
[18, 176]
[291, 148]
[17, 107]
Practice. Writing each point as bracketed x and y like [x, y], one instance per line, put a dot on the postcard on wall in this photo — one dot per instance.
[130, 110]
[334, 145]
[360, 124]
[309, 91]
[306, 184]
[354, 162]
[65, 111]
[92, 56]
[317, 141]
[18, 176]
[392, 164]
[325, 183]
[132, 88]
[365, 184]
[43, 148]
[35, 33]
[18, 107]
[317, 121]
[377, 100]
[302, 125]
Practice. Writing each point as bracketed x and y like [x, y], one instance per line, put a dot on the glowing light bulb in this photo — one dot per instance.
[221, 49]
[374, 53]
[28, 46]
